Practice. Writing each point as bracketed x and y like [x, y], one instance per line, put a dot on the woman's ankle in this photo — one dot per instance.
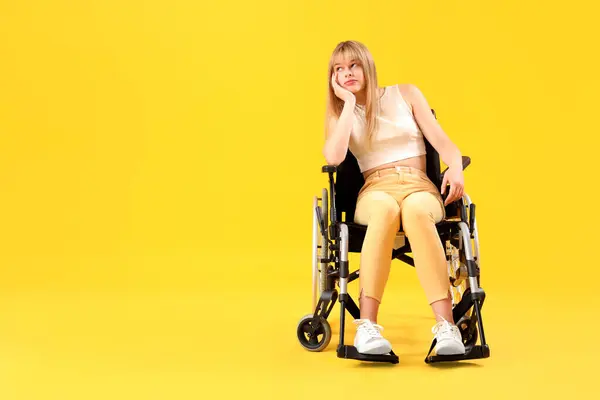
[442, 310]
[369, 308]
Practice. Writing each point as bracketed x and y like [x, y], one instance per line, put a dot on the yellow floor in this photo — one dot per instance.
[227, 339]
[134, 133]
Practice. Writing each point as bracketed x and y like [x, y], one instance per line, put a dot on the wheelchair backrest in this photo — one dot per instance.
[349, 180]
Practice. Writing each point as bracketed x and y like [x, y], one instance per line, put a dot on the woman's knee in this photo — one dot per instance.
[377, 207]
[421, 207]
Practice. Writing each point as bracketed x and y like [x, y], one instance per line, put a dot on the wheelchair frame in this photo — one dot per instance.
[330, 266]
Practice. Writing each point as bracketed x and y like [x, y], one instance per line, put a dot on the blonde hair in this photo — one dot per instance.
[355, 50]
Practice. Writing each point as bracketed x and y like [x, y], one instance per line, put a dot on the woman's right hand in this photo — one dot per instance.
[340, 92]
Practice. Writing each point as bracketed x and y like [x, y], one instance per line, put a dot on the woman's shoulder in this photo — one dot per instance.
[406, 89]
[411, 94]
[405, 92]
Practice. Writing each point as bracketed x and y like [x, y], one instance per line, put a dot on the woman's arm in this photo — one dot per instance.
[339, 129]
[338, 135]
[448, 151]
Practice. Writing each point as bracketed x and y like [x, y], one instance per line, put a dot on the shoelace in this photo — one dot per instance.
[444, 327]
[373, 330]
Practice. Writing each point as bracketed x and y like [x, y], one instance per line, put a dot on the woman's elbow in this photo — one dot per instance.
[332, 157]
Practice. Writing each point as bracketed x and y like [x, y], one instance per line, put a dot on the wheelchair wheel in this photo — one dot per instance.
[457, 271]
[457, 268]
[468, 330]
[321, 337]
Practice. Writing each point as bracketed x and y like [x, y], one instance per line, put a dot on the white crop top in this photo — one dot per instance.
[397, 138]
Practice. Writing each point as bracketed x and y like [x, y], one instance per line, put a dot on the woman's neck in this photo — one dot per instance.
[361, 98]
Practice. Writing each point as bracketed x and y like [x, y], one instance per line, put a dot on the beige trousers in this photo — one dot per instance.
[406, 196]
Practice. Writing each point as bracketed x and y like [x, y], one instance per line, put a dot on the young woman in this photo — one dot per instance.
[384, 128]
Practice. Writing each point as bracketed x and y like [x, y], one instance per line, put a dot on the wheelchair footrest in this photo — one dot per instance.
[474, 353]
[351, 353]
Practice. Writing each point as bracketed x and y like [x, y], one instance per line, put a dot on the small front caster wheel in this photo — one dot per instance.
[314, 336]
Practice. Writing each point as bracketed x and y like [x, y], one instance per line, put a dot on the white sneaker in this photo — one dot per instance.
[368, 339]
[449, 339]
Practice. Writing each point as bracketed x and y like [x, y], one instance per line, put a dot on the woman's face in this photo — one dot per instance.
[349, 74]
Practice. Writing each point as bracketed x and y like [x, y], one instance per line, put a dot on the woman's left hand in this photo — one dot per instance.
[454, 177]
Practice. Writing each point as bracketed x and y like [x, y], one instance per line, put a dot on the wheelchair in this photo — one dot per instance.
[334, 237]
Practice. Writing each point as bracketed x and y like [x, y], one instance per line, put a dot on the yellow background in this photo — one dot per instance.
[158, 161]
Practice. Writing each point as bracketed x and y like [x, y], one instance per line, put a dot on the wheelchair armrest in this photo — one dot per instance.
[329, 168]
[466, 161]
